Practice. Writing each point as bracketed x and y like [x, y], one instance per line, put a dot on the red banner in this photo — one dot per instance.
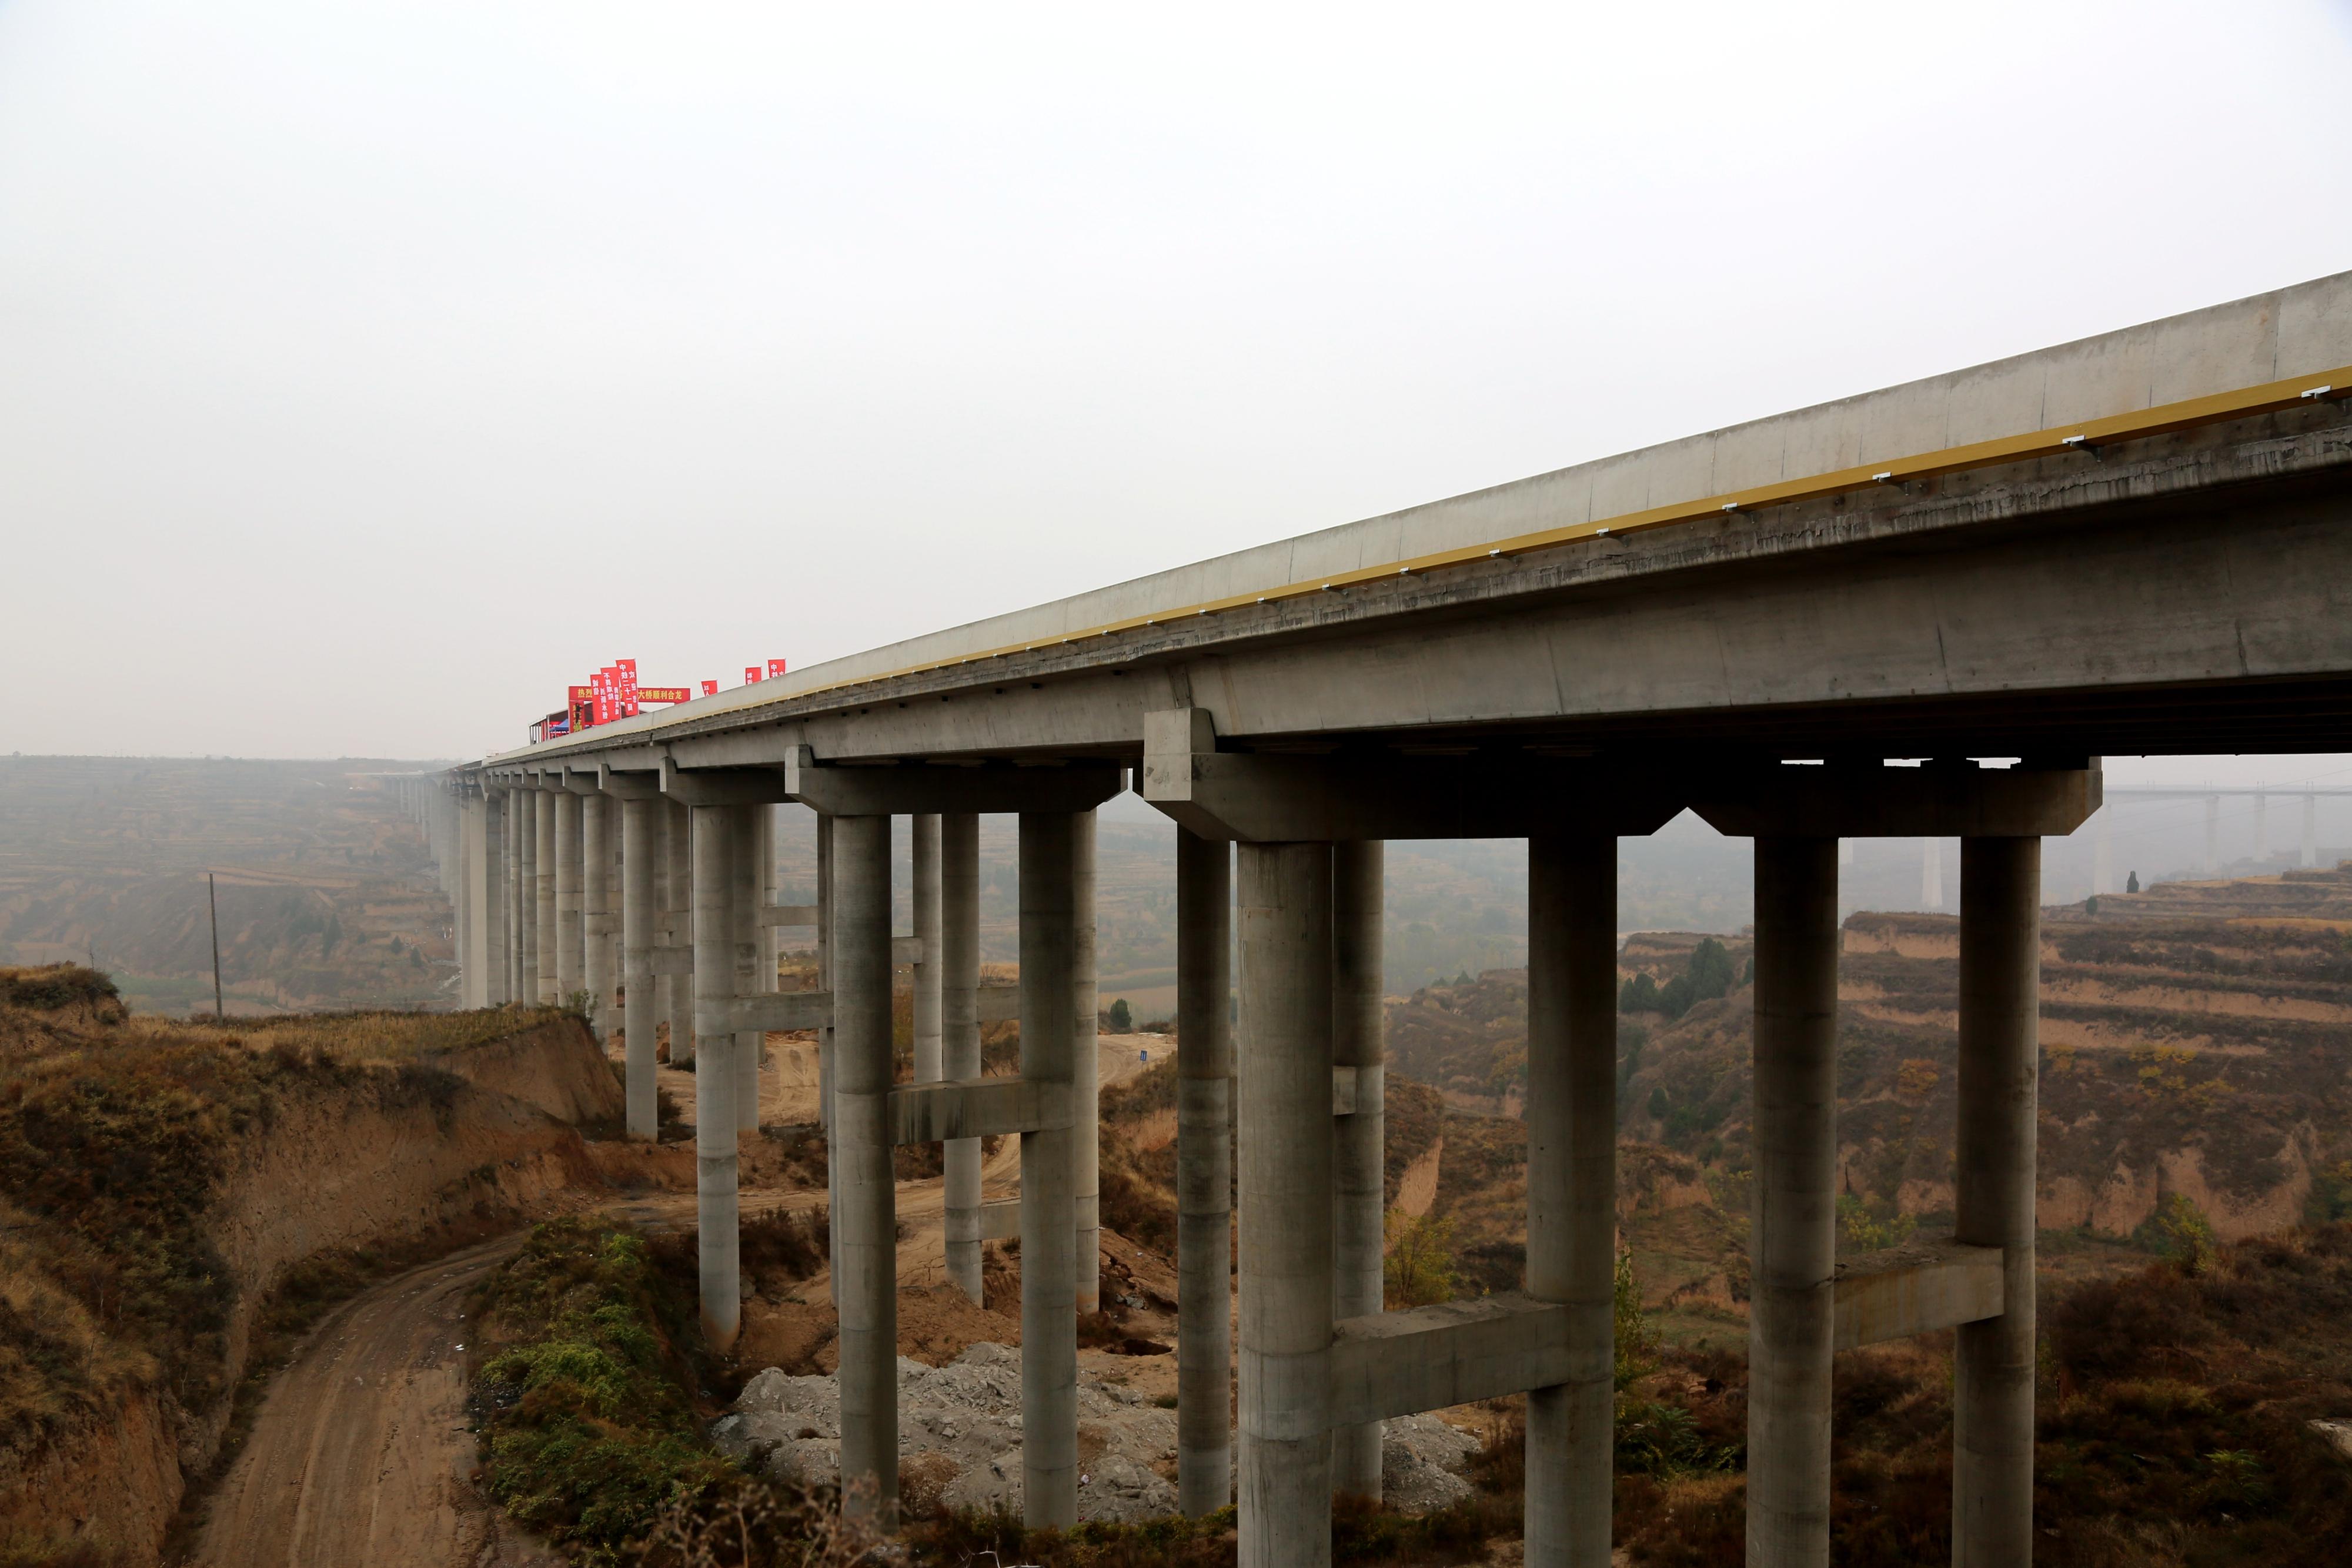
[665, 694]
[710, 688]
[775, 668]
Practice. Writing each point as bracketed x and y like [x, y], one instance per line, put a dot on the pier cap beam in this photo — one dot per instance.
[1344, 796]
[2035, 798]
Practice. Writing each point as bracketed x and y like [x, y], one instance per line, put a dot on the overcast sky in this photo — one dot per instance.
[368, 371]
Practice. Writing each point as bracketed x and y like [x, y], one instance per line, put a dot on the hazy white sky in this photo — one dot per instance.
[369, 371]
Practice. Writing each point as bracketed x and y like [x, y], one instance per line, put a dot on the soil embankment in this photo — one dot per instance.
[163, 1183]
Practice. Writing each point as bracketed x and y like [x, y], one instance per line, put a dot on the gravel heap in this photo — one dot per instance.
[965, 1418]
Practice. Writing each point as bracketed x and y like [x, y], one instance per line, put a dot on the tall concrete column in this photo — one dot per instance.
[923, 832]
[1204, 1069]
[719, 1243]
[1992, 1366]
[1286, 1205]
[545, 895]
[494, 912]
[768, 949]
[959, 936]
[518, 835]
[461, 899]
[596, 911]
[750, 941]
[1049, 1328]
[644, 838]
[825, 1062]
[678, 990]
[1360, 1207]
[571, 947]
[1793, 1245]
[865, 1222]
[1085, 1012]
[1572, 1187]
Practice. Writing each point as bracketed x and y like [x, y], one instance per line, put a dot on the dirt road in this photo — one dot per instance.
[359, 1455]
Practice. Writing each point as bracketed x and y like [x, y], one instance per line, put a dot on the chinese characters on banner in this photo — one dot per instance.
[775, 668]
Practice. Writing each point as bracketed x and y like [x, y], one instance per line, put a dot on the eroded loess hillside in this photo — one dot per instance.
[174, 1198]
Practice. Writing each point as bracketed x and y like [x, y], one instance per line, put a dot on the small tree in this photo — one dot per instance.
[1636, 1341]
[1638, 995]
[1420, 1269]
[2183, 1233]
[1122, 1020]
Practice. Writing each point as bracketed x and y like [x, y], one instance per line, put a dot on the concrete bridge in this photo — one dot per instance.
[1802, 628]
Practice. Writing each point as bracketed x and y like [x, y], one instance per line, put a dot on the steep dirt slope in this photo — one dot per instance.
[155, 1187]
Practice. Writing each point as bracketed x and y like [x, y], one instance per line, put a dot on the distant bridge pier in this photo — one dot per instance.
[2212, 834]
[677, 826]
[597, 917]
[2310, 830]
[571, 945]
[644, 843]
[1204, 1067]
[959, 935]
[543, 923]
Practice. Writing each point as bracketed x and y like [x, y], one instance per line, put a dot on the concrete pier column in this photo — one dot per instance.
[824, 1033]
[751, 940]
[1359, 1209]
[1049, 1327]
[678, 990]
[544, 929]
[492, 939]
[1286, 1205]
[1085, 1016]
[1572, 1187]
[924, 851]
[571, 948]
[865, 1222]
[1993, 1368]
[1204, 1068]
[596, 911]
[1793, 1247]
[518, 831]
[719, 1244]
[959, 1033]
[768, 933]
[643, 838]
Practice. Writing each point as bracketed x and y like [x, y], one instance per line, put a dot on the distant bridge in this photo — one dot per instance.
[2134, 544]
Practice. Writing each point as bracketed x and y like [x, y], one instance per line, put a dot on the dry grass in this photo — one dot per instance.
[395, 1036]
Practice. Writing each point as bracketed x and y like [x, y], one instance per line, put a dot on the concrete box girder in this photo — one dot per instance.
[978, 1108]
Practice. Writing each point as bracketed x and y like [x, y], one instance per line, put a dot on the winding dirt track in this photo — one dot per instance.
[361, 1453]
[358, 1456]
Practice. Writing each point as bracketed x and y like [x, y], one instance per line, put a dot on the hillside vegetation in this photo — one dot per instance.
[173, 1199]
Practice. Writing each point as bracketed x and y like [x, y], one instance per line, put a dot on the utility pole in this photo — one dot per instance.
[212, 902]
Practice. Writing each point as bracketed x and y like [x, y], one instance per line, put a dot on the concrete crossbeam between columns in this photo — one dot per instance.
[1922, 1286]
[976, 1108]
[1400, 1364]
[671, 960]
[758, 1013]
[789, 915]
[1000, 1221]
